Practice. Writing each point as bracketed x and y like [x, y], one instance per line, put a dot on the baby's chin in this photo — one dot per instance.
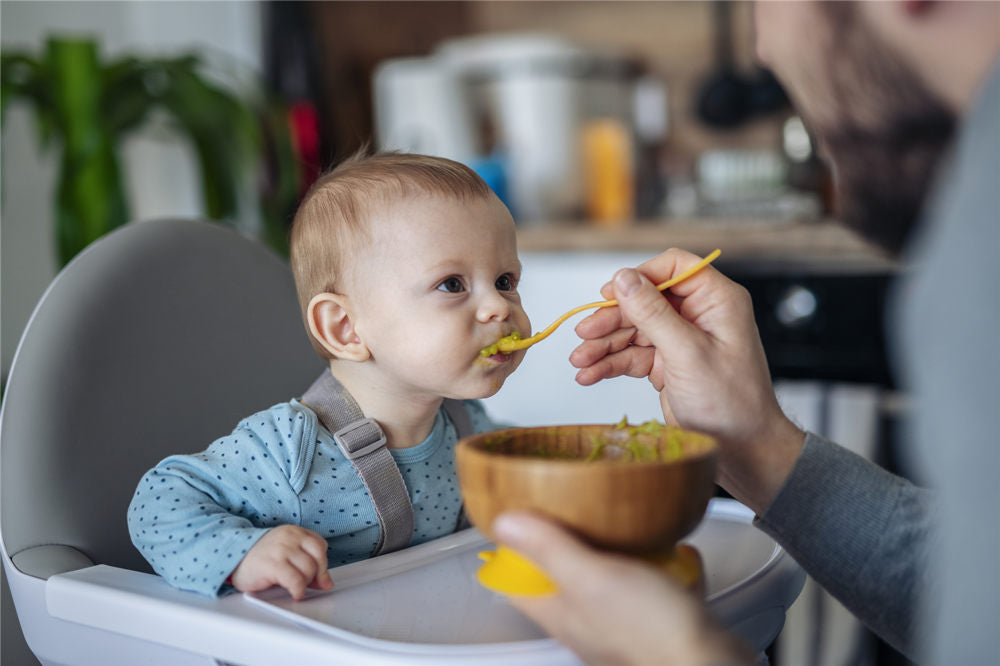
[496, 379]
[490, 391]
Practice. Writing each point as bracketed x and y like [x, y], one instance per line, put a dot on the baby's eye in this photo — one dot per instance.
[505, 282]
[452, 285]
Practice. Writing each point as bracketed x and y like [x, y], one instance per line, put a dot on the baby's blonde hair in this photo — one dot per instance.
[336, 212]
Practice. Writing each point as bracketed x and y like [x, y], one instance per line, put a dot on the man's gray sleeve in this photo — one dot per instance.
[860, 531]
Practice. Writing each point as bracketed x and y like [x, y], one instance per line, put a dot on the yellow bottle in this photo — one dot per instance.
[609, 172]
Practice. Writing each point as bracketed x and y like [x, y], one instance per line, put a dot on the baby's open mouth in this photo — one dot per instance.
[495, 348]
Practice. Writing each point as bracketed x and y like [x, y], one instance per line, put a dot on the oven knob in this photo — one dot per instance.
[796, 307]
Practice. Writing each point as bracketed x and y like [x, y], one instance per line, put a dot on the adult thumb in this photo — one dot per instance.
[648, 310]
[553, 549]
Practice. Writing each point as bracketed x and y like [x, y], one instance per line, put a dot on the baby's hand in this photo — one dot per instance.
[290, 556]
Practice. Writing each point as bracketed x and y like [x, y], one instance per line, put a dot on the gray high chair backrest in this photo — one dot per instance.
[155, 340]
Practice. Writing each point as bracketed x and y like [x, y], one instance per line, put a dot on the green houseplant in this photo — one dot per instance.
[88, 106]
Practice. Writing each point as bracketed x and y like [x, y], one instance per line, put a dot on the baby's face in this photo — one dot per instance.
[437, 283]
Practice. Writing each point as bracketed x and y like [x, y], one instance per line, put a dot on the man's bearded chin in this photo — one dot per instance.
[883, 178]
[885, 133]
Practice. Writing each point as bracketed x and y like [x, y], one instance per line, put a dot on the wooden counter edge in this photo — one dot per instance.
[824, 242]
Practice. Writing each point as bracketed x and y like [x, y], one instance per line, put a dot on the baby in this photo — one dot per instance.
[406, 267]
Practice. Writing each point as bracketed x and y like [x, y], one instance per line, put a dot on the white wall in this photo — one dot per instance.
[160, 173]
[542, 391]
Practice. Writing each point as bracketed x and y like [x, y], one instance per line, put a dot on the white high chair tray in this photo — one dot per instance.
[427, 596]
[418, 606]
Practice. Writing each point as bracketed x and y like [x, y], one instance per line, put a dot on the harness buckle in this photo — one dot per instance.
[355, 444]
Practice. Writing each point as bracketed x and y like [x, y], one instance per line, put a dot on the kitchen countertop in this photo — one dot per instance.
[823, 245]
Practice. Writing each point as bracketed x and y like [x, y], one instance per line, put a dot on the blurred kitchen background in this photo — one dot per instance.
[613, 130]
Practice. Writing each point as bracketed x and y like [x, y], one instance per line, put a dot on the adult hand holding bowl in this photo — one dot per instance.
[635, 490]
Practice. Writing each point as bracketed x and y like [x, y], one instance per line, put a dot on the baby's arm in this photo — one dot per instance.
[290, 556]
[185, 529]
[194, 517]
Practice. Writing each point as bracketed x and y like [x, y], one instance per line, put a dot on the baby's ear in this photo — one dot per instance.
[329, 317]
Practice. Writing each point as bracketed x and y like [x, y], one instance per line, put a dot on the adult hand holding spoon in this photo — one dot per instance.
[514, 341]
[700, 349]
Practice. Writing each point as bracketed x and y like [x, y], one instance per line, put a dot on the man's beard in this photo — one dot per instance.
[889, 139]
[883, 179]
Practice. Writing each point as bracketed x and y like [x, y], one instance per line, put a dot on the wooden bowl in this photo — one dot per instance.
[638, 507]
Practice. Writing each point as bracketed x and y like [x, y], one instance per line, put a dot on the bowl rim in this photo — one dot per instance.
[711, 450]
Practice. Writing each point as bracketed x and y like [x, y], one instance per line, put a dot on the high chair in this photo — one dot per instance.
[159, 338]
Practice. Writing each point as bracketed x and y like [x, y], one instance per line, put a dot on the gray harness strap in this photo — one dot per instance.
[463, 428]
[362, 442]
[456, 411]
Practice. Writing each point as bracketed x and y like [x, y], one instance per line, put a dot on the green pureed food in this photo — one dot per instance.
[495, 347]
[651, 441]
[635, 448]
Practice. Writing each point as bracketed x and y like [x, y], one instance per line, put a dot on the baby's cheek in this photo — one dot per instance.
[524, 324]
[437, 359]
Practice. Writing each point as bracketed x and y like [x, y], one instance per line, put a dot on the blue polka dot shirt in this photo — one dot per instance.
[194, 517]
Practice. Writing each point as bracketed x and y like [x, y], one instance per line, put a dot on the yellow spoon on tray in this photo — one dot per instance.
[514, 341]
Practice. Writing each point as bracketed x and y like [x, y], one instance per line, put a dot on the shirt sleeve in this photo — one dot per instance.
[860, 531]
[194, 517]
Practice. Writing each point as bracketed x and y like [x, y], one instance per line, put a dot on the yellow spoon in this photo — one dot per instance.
[514, 341]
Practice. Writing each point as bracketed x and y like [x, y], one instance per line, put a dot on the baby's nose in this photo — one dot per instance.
[493, 307]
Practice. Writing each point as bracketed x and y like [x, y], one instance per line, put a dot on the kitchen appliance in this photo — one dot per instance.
[729, 98]
[523, 98]
[420, 106]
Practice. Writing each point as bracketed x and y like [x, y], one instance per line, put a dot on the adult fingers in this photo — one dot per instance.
[607, 292]
[673, 262]
[706, 291]
[661, 267]
[600, 323]
[591, 351]
[562, 556]
[610, 321]
[668, 413]
[632, 362]
[649, 311]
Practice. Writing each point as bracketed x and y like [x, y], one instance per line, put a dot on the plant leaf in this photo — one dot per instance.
[125, 97]
[90, 200]
[24, 78]
[217, 124]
